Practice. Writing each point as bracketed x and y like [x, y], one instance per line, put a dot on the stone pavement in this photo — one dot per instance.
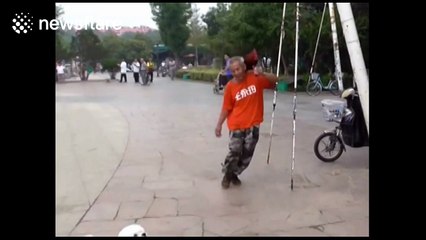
[92, 77]
[128, 153]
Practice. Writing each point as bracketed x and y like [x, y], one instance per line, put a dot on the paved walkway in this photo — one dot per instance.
[128, 153]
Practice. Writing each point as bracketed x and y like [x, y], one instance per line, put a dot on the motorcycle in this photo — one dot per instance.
[352, 130]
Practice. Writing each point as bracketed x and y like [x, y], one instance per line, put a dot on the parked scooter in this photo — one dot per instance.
[351, 130]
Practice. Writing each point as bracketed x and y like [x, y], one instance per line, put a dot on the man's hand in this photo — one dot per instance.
[270, 76]
[223, 115]
[218, 131]
[257, 70]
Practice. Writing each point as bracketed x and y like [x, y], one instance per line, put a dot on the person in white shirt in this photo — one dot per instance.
[123, 67]
[136, 68]
[60, 71]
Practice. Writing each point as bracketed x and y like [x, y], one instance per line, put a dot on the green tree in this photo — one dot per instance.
[243, 26]
[216, 20]
[88, 47]
[153, 36]
[114, 46]
[362, 17]
[254, 25]
[118, 48]
[172, 21]
[135, 49]
[213, 18]
[62, 51]
[198, 36]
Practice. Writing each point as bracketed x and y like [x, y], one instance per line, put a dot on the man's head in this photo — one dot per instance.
[238, 68]
[226, 57]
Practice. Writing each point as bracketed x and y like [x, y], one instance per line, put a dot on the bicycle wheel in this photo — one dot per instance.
[333, 147]
[313, 88]
[334, 88]
[215, 90]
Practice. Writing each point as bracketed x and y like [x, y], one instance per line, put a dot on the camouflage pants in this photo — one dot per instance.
[241, 149]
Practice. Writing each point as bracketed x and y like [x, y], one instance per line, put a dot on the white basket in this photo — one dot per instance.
[333, 109]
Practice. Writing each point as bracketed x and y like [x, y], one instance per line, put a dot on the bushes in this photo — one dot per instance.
[111, 65]
[200, 74]
[301, 85]
[302, 81]
[210, 74]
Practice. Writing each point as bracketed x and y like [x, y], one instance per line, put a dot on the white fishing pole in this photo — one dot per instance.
[318, 37]
[295, 92]
[275, 90]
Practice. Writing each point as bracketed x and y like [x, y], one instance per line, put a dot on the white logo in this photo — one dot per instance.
[56, 24]
[245, 92]
[22, 23]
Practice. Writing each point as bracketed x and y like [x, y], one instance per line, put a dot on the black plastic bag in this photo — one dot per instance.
[354, 130]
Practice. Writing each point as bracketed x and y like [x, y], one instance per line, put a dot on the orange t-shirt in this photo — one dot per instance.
[244, 101]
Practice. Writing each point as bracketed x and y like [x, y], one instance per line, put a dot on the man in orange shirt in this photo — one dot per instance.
[243, 109]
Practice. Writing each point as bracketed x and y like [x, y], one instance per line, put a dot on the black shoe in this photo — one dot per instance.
[226, 181]
[235, 180]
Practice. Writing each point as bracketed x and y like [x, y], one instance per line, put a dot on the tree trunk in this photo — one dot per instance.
[284, 65]
[112, 75]
[177, 61]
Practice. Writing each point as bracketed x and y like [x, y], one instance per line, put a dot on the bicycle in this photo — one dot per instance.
[315, 85]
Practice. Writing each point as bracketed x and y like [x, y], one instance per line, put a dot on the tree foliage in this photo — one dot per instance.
[234, 29]
[239, 28]
[87, 45]
[172, 21]
[62, 51]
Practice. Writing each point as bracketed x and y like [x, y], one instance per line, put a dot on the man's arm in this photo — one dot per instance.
[270, 76]
[222, 117]
[226, 109]
[272, 80]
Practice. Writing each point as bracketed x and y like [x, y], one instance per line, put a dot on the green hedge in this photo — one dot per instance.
[210, 74]
[200, 74]
[302, 81]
